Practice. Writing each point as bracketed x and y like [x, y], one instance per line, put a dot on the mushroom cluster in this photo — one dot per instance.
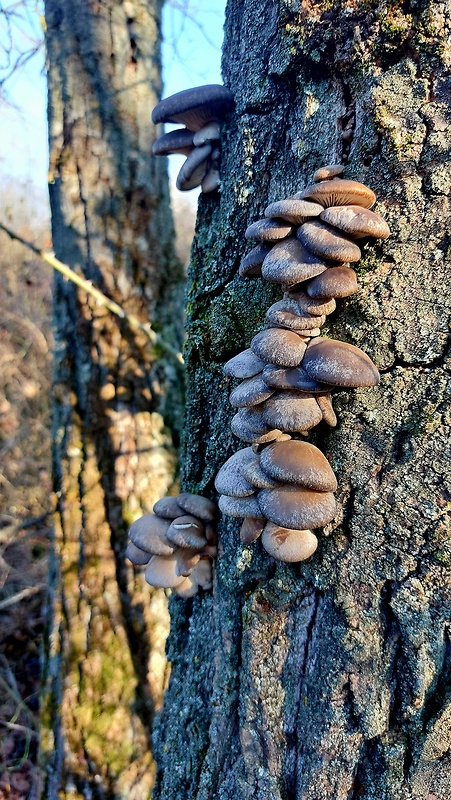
[281, 485]
[177, 542]
[201, 110]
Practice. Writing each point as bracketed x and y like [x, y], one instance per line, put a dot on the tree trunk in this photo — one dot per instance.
[330, 679]
[115, 396]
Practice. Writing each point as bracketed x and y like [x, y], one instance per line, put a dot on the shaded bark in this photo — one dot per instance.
[115, 396]
[329, 679]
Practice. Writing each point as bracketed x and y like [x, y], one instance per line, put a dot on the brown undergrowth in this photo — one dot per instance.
[25, 378]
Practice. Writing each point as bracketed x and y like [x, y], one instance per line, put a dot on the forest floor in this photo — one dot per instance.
[25, 498]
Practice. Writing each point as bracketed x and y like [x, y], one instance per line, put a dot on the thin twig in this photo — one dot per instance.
[13, 726]
[16, 598]
[100, 298]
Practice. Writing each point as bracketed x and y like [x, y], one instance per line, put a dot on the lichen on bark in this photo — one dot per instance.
[327, 680]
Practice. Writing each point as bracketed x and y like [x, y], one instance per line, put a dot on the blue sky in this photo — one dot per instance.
[191, 57]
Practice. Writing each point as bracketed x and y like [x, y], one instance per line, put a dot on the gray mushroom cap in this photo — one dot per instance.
[174, 142]
[298, 462]
[339, 192]
[292, 412]
[268, 230]
[251, 529]
[279, 346]
[297, 507]
[211, 181]
[328, 243]
[194, 169]
[334, 282]
[289, 262]
[328, 172]
[250, 392]
[293, 210]
[240, 506]
[209, 133]
[195, 107]
[167, 507]
[230, 480]
[244, 365]
[251, 265]
[288, 314]
[198, 506]
[187, 531]
[251, 434]
[356, 221]
[161, 572]
[136, 555]
[253, 473]
[149, 533]
[339, 364]
[315, 306]
[288, 545]
[292, 378]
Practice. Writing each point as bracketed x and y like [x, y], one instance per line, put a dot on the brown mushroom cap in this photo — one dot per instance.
[292, 412]
[251, 265]
[293, 210]
[289, 314]
[356, 221]
[252, 528]
[250, 392]
[292, 378]
[240, 506]
[230, 480]
[149, 534]
[179, 141]
[203, 573]
[244, 365]
[297, 507]
[289, 262]
[138, 556]
[198, 506]
[288, 545]
[325, 403]
[326, 242]
[244, 430]
[298, 462]
[167, 507]
[335, 282]
[186, 589]
[253, 473]
[161, 572]
[328, 172]
[339, 192]
[339, 364]
[279, 346]
[187, 531]
[186, 560]
[310, 305]
[194, 168]
[195, 107]
[268, 230]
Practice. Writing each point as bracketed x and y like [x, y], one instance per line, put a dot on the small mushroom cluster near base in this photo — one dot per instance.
[177, 542]
[201, 110]
[283, 486]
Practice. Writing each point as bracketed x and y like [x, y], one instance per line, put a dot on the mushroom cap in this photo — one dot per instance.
[187, 531]
[292, 412]
[253, 473]
[186, 560]
[253, 417]
[311, 305]
[240, 506]
[298, 462]
[250, 392]
[297, 507]
[186, 589]
[326, 242]
[198, 506]
[251, 529]
[334, 282]
[293, 210]
[209, 133]
[195, 107]
[203, 573]
[211, 181]
[289, 262]
[279, 346]
[289, 314]
[247, 433]
[339, 192]
[167, 508]
[287, 544]
[136, 555]
[325, 403]
[339, 364]
[292, 378]
[251, 265]
[229, 479]
[161, 572]
[356, 221]
[328, 172]
[179, 141]
[194, 168]
[149, 534]
[244, 365]
[268, 230]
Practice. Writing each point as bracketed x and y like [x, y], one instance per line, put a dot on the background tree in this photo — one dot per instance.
[115, 397]
[329, 680]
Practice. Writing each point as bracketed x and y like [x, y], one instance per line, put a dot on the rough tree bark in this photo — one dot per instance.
[329, 680]
[115, 396]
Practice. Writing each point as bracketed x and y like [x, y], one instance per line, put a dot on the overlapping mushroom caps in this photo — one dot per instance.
[177, 543]
[201, 110]
[283, 486]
